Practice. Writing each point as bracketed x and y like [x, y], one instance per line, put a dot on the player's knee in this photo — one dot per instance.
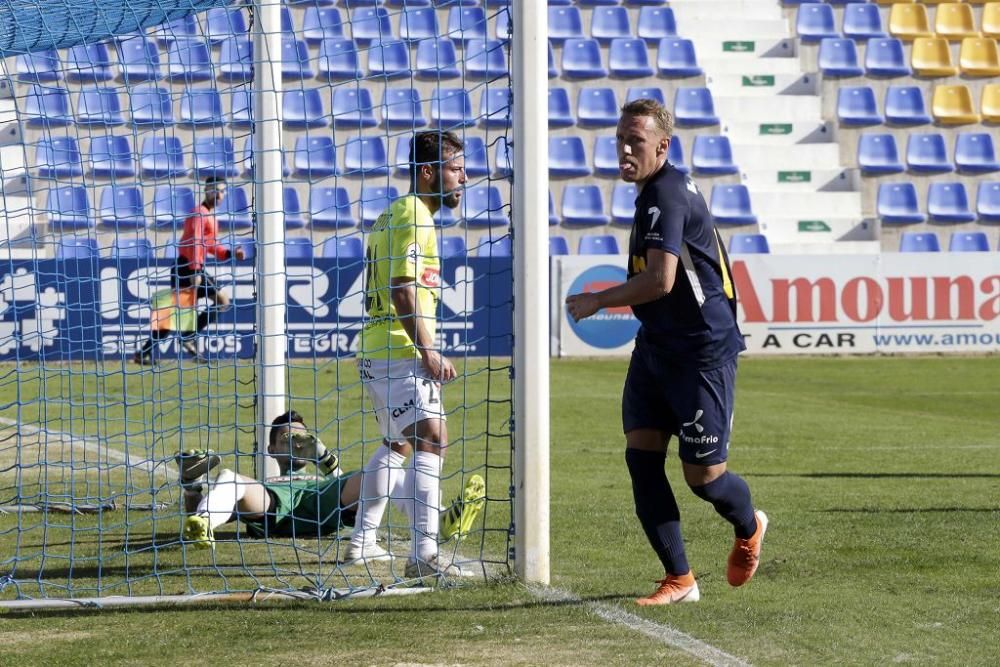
[711, 491]
[223, 476]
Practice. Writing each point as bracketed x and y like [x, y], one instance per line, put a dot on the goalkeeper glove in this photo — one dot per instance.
[308, 447]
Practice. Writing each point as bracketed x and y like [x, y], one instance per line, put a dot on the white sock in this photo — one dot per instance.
[377, 481]
[427, 495]
[219, 503]
[402, 493]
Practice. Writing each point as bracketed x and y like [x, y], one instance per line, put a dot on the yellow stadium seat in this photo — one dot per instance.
[952, 105]
[979, 57]
[893, 2]
[991, 103]
[955, 21]
[931, 56]
[908, 22]
[991, 20]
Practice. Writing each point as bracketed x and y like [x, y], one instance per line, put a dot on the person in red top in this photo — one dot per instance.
[198, 241]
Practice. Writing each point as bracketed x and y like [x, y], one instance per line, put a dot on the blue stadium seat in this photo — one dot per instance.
[241, 107]
[172, 203]
[222, 23]
[648, 93]
[731, 205]
[99, 106]
[919, 242]
[884, 56]
[949, 202]
[111, 157]
[897, 204]
[500, 247]
[47, 107]
[629, 58]
[234, 212]
[298, 247]
[476, 163]
[928, 153]
[151, 106]
[503, 159]
[248, 244]
[605, 156]
[862, 21]
[856, 106]
[495, 107]
[401, 159]
[838, 58]
[303, 109]
[596, 3]
[712, 155]
[416, 23]
[139, 248]
[465, 23]
[904, 105]
[976, 153]
[565, 23]
[213, 156]
[201, 107]
[553, 218]
[598, 244]
[485, 59]
[338, 60]
[293, 208]
[321, 23]
[676, 57]
[815, 21]
[371, 24]
[560, 113]
[402, 107]
[567, 157]
[553, 72]
[437, 59]
[581, 59]
[236, 59]
[58, 157]
[607, 23]
[295, 64]
[189, 60]
[988, 201]
[76, 247]
[287, 23]
[694, 107]
[247, 161]
[89, 63]
[583, 205]
[68, 207]
[504, 26]
[623, 203]
[374, 202]
[330, 207]
[445, 217]
[969, 242]
[162, 157]
[656, 23]
[39, 67]
[452, 246]
[366, 156]
[597, 107]
[675, 155]
[389, 59]
[558, 246]
[482, 206]
[340, 247]
[181, 29]
[138, 60]
[352, 107]
[878, 154]
[121, 207]
[451, 108]
[749, 244]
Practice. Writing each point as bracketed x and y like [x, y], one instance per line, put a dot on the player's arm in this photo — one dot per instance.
[404, 300]
[653, 283]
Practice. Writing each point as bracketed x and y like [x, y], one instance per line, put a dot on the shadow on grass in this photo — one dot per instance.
[877, 475]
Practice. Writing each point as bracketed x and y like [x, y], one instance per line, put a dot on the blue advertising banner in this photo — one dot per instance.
[91, 309]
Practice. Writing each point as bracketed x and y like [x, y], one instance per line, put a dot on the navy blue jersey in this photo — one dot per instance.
[695, 324]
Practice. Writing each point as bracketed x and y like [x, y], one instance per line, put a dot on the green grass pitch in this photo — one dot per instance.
[880, 476]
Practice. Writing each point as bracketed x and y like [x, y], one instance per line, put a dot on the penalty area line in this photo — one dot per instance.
[660, 632]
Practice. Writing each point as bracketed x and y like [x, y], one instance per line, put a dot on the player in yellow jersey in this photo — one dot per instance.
[399, 358]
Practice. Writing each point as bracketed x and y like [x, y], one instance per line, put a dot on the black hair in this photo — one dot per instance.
[290, 417]
[432, 147]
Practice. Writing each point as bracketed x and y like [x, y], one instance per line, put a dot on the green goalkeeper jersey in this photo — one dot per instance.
[402, 244]
[304, 506]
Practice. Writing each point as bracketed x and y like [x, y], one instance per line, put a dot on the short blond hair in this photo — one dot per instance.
[652, 109]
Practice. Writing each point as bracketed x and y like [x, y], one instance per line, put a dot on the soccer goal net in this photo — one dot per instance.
[120, 124]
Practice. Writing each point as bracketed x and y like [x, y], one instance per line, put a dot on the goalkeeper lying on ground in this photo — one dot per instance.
[293, 504]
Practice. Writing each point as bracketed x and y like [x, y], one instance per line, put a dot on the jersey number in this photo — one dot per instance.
[432, 388]
[371, 292]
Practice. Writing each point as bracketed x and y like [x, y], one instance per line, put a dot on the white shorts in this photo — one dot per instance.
[401, 394]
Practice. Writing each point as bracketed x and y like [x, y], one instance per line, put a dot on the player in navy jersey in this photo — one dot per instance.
[682, 375]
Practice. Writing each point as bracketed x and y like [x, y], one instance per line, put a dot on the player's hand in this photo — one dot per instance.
[438, 366]
[195, 281]
[240, 253]
[582, 306]
[306, 446]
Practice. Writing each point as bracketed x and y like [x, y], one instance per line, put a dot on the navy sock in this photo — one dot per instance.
[206, 317]
[730, 496]
[158, 335]
[657, 509]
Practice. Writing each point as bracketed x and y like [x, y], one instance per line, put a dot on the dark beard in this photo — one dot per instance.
[451, 200]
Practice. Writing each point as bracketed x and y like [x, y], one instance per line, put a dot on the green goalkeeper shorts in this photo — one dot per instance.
[307, 508]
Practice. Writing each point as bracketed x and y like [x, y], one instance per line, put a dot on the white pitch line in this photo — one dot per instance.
[661, 632]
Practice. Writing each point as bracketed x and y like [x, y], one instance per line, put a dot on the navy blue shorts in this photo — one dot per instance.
[695, 405]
